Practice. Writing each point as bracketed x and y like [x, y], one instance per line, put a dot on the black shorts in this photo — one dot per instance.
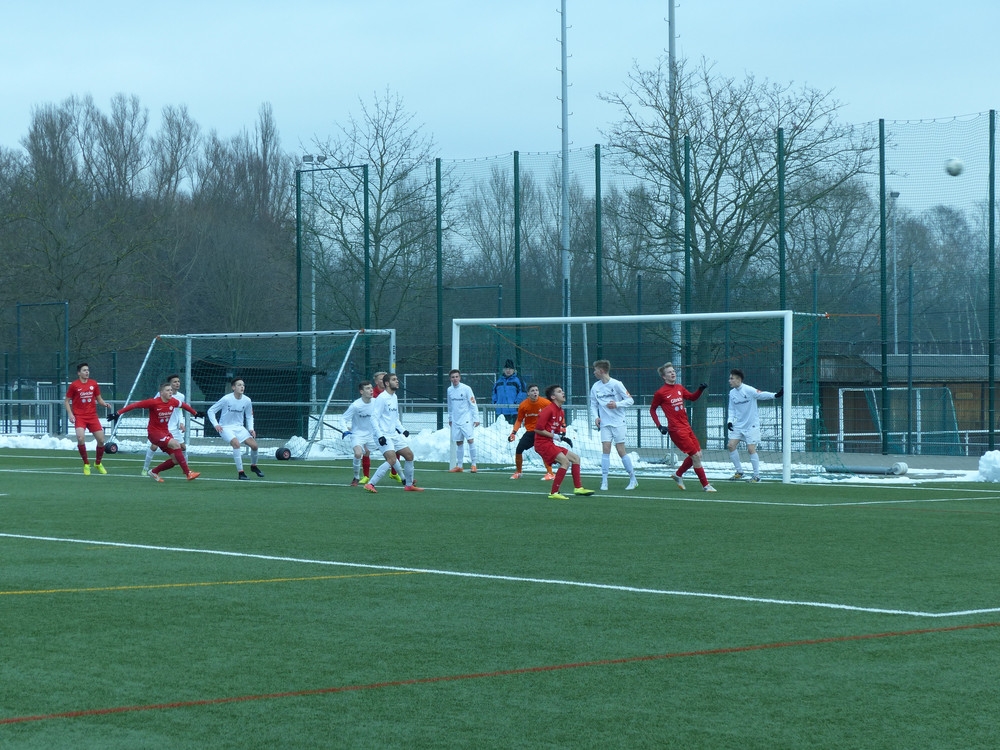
[527, 441]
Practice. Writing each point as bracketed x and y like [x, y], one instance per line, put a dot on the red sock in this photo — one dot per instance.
[700, 471]
[181, 461]
[366, 465]
[560, 475]
[685, 465]
[168, 464]
[83, 451]
[100, 453]
[576, 476]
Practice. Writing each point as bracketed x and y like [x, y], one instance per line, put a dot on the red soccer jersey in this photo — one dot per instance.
[552, 419]
[671, 399]
[83, 398]
[159, 412]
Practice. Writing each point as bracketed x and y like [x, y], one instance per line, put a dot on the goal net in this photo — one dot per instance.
[703, 348]
[291, 377]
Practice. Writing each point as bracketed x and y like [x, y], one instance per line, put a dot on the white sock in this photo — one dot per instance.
[605, 465]
[735, 456]
[408, 473]
[755, 462]
[357, 468]
[460, 454]
[627, 463]
[472, 453]
[253, 456]
[149, 458]
[381, 472]
[238, 458]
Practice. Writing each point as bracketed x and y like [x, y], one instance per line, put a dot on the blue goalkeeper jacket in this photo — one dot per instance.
[510, 391]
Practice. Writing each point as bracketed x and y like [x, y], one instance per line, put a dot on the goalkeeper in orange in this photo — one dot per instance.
[527, 414]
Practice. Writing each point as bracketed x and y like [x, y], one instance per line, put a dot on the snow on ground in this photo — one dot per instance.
[432, 445]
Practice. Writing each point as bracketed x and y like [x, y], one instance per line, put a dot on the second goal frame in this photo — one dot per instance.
[785, 316]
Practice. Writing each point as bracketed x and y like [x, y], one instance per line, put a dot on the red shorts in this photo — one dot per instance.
[685, 441]
[160, 440]
[549, 451]
[88, 423]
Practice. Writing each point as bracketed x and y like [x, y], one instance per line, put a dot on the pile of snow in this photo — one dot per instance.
[989, 467]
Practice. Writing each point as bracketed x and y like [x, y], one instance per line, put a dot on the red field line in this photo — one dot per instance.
[482, 675]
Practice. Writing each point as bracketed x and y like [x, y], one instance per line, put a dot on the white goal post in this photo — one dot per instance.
[785, 316]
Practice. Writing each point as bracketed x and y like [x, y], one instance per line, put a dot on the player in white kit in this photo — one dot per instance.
[607, 397]
[744, 422]
[358, 420]
[463, 417]
[232, 417]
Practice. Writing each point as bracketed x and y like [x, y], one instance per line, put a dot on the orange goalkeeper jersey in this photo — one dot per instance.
[528, 411]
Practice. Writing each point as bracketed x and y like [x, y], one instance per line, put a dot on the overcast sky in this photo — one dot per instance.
[482, 76]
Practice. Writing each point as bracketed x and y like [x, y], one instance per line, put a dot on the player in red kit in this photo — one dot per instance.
[551, 426]
[160, 408]
[82, 398]
[671, 398]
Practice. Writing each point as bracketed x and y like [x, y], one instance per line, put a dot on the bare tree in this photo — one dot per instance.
[174, 150]
[732, 127]
[401, 212]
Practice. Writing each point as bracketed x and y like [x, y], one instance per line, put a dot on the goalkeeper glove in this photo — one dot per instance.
[345, 434]
[512, 438]
[200, 414]
[563, 438]
[703, 386]
[382, 441]
[778, 394]
[113, 416]
[729, 426]
[406, 433]
[663, 430]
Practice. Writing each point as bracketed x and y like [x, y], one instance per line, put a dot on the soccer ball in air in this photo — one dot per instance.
[953, 167]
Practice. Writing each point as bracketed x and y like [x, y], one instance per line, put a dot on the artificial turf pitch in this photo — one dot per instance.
[296, 611]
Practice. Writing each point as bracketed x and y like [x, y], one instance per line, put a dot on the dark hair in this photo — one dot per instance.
[737, 373]
[385, 378]
[452, 372]
[550, 389]
[81, 366]
[235, 380]
[534, 385]
[171, 377]
[363, 383]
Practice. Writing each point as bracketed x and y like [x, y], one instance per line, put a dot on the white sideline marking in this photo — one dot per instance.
[514, 579]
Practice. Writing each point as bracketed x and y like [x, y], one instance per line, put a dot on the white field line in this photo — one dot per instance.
[513, 579]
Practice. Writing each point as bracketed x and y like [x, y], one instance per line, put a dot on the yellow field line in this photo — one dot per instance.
[199, 583]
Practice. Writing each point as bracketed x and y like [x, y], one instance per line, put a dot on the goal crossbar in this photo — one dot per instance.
[786, 316]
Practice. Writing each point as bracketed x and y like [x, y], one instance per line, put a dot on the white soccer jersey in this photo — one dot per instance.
[358, 418]
[385, 416]
[176, 416]
[603, 393]
[743, 407]
[462, 406]
[232, 412]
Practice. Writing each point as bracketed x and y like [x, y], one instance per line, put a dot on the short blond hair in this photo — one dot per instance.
[664, 367]
[602, 364]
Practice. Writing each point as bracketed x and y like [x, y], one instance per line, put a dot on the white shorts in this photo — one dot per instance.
[613, 434]
[751, 436]
[396, 442]
[235, 431]
[461, 431]
[367, 442]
